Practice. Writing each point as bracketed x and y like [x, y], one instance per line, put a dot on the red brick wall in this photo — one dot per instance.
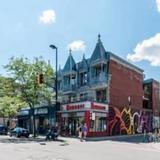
[125, 82]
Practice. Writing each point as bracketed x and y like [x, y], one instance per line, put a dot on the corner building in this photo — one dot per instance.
[103, 91]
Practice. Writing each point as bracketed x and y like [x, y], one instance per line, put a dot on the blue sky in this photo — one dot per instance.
[128, 28]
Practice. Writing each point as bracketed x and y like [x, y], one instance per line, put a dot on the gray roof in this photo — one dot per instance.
[99, 52]
[151, 80]
[70, 64]
[83, 65]
[125, 62]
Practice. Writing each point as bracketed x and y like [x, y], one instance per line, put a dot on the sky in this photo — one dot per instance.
[128, 28]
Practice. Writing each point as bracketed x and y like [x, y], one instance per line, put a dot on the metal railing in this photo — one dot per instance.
[69, 87]
[87, 98]
[102, 78]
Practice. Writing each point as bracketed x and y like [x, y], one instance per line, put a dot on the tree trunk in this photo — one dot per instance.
[3, 120]
[33, 123]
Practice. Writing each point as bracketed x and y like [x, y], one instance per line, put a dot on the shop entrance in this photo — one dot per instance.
[41, 126]
[71, 123]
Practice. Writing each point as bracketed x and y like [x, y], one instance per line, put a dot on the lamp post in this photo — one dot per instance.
[56, 88]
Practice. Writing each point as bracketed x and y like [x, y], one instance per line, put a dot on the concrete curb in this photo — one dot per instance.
[119, 137]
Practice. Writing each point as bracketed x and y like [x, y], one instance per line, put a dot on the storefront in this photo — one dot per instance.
[92, 113]
[24, 119]
[44, 118]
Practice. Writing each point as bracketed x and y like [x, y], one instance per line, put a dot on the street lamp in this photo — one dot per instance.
[56, 88]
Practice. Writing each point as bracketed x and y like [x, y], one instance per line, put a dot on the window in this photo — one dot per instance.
[84, 96]
[83, 78]
[99, 123]
[97, 70]
[101, 95]
[147, 101]
[73, 79]
[66, 80]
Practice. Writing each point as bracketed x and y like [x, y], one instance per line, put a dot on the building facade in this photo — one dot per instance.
[103, 91]
[151, 100]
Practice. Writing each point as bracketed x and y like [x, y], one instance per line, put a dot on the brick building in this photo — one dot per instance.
[126, 112]
[151, 100]
[105, 92]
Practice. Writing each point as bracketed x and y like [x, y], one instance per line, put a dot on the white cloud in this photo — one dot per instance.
[77, 45]
[48, 17]
[158, 5]
[148, 50]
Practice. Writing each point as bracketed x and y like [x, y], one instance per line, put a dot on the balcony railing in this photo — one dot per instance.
[83, 99]
[102, 78]
[69, 87]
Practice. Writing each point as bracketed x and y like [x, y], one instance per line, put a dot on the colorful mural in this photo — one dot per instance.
[127, 121]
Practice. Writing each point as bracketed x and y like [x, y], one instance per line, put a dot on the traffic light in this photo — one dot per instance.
[40, 78]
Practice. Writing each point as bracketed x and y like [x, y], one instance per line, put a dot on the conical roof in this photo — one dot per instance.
[70, 64]
[83, 65]
[99, 52]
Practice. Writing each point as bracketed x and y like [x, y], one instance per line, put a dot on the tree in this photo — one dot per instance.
[10, 104]
[25, 74]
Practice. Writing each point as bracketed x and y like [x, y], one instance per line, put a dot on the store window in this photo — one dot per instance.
[98, 124]
[70, 122]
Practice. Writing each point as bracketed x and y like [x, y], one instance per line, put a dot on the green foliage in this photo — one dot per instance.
[9, 101]
[10, 105]
[25, 73]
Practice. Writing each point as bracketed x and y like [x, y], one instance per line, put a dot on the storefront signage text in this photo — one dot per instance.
[85, 105]
[97, 106]
[41, 111]
[75, 107]
[23, 113]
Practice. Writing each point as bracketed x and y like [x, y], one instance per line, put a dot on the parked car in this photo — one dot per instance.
[19, 132]
[3, 130]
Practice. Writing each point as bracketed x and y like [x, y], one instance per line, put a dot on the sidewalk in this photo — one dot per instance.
[127, 138]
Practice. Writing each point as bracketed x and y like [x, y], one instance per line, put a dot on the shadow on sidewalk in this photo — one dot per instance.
[127, 139]
[7, 139]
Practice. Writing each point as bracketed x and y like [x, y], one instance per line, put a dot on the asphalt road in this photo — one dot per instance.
[73, 149]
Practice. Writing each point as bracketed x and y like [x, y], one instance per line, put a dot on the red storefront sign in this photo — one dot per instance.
[85, 105]
[97, 106]
[74, 107]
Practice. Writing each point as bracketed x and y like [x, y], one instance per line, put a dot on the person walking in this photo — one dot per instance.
[85, 131]
[145, 136]
[80, 132]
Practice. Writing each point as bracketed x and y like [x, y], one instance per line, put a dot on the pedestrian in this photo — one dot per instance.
[80, 132]
[145, 136]
[85, 130]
